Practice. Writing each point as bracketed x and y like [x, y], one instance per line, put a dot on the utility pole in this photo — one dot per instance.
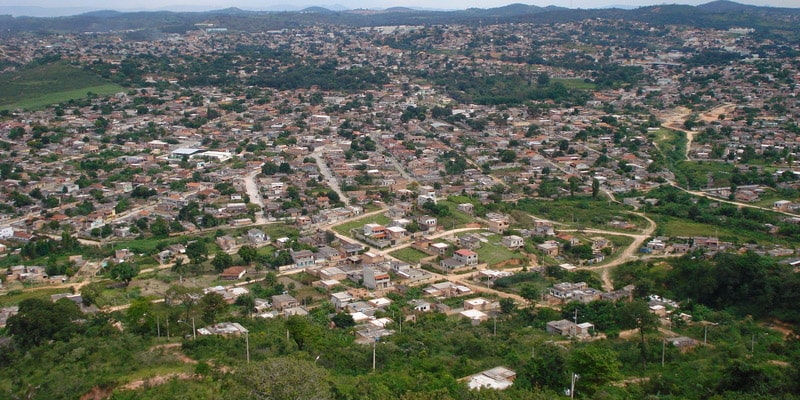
[576, 316]
[663, 351]
[373, 353]
[194, 331]
[158, 326]
[247, 345]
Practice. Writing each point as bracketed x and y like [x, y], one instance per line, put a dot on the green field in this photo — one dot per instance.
[14, 297]
[493, 252]
[680, 227]
[42, 85]
[344, 229]
[577, 84]
[409, 255]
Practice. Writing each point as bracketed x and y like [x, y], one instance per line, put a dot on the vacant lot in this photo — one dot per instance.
[42, 85]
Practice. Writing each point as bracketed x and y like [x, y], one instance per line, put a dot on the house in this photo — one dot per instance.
[223, 329]
[341, 299]
[380, 302]
[497, 378]
[466, 256]
[497, 225]
[781, 205]
[332, 273]
[281, 302]
[439, 248]
[226, 242]
[566, 327]
[420, 305]
[469, 241]
[427, 223]
[302, 258]
[374, 279]
[233, 273]
[257, 236]
[478, 303]
[513, 241]
[549, 248]
[467, 208]
[475, 316]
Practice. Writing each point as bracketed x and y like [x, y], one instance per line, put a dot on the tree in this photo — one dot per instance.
[637, 314]
[508, 156]
[573, 185]
[248, 254]
[143, 191]
[92, 293]
[529, 292]
[269, 168]
[596, 365]
[507, 306]
[197, 252]
[247, 302]
[546, 369]
[160, 228]
[221, 261]
[343, 320]
[283, 378]
[124, 272]
[595, 188]
[39, 321]
[212, 304]
[543, 79]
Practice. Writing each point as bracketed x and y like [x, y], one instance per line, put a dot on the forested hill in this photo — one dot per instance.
[718, 14]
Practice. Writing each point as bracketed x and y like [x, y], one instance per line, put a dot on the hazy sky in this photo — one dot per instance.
[374, 4]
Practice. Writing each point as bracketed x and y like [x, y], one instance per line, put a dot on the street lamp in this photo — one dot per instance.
[575, 378]
[194, 331]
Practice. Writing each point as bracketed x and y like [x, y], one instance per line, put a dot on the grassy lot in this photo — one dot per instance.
[344, 229]
[38, 102]
[679, 227]
[695, 173]
[14, 297]
[578, 84]
[456, 218]
[580, 212]
[43, 85]
[494, 253]
[409, 255]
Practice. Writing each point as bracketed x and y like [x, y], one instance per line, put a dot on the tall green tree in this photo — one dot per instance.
[212, 304]
[124, 272]
[284, 378]
[40, 321]
[221, 261]
[596, 365]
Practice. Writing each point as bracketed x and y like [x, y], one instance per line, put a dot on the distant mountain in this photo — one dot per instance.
[321, 10]
[717, 14]
[41, 12]
[231, 11]
[721, 6]
[400, 9]
[103, 13]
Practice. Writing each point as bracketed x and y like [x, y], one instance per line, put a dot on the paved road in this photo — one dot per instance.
[255, 195]
[328, 175]
[379, 146]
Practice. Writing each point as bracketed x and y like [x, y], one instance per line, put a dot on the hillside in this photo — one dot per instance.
[718, 14]
[43, 84]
